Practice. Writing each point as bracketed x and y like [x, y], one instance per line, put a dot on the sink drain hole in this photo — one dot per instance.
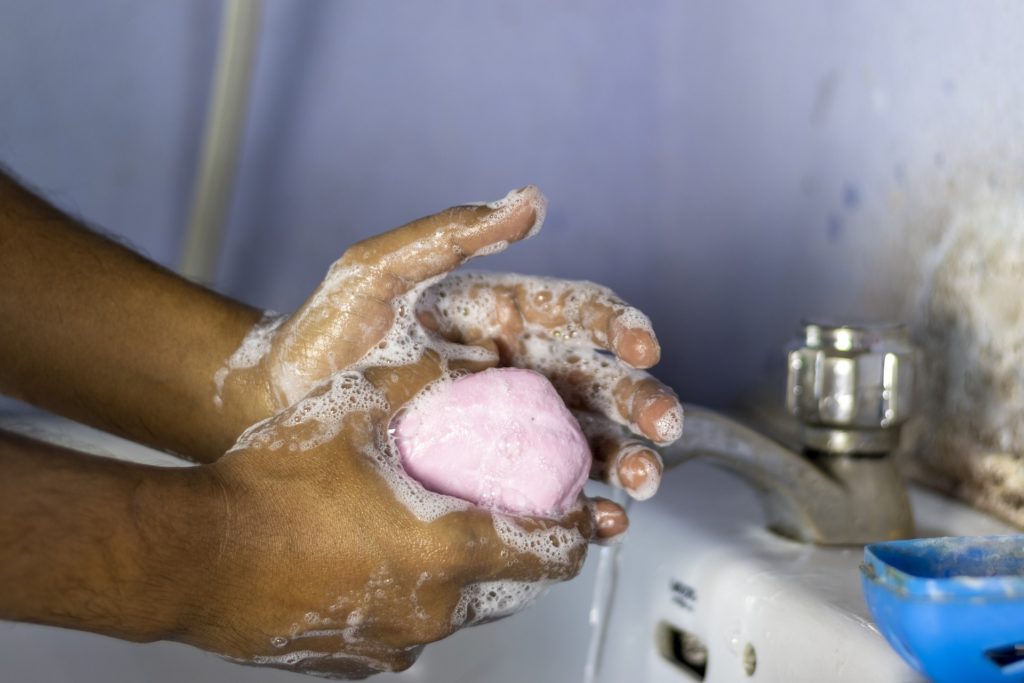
[683, 649]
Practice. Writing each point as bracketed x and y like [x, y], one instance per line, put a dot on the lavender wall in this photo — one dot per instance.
[101, 108]
[729, 167]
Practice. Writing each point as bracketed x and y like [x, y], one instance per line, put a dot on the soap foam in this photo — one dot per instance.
[511, 202]
[318, 417]
[670, 425]
[487, 601]
[493, 249]
[425, 505]
[255, 345]
[467, 301]
[554, 546]
[317, 411]
[651, 479]
[634, 319]
[417, 608]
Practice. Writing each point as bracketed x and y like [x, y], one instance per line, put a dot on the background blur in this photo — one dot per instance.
[729, 167]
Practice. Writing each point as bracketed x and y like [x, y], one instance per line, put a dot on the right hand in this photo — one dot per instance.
[325, 566]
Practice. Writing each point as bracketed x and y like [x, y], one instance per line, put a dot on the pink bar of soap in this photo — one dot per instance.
[502, 439]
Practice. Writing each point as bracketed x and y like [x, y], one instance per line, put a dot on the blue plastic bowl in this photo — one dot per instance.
[952, 607]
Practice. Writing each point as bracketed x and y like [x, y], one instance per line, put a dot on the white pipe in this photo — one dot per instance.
[222, 139]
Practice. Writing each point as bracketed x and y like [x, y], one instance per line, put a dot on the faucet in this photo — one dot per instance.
[850, 388]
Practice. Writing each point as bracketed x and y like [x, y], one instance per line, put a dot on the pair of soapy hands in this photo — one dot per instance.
[369, 567]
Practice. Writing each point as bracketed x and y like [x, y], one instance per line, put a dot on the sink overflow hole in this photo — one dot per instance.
[682, 649]
[749, 659]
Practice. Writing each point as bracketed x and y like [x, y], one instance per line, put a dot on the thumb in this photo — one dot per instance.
[430, 247]
[353, 308]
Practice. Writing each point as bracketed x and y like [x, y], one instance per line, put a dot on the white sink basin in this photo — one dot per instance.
[697, 561]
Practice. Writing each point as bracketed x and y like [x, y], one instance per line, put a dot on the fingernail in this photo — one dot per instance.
[530, 195]
[609, 519]
[636, 346]
[640, 473]
[670, 425]
[633, 338]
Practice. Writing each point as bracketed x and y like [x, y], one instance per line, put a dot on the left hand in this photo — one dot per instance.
[548, 325]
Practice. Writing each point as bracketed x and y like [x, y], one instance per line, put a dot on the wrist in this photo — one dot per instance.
[244, 397]
[181, 517]
[103, 545]
[244, 385]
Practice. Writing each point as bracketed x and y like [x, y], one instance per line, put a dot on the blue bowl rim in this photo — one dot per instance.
[1004, 587]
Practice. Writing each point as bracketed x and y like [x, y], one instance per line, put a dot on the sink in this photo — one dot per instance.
[697, 589]
[699, 567]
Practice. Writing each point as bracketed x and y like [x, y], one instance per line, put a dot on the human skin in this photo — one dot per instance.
[304, 561]
[226, 555]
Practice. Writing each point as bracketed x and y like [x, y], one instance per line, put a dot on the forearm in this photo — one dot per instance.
[95, 332]
[102, 545]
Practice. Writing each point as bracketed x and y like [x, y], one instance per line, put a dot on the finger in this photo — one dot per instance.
[475, 358]
[610, 520]
[486, 352]
[502, 584]
[588, 380]
[355, 307]
[430, 247]
[526, 549]
[651, 407]
[472, 305]
[607, 321]
[619, 460]
[467, 311]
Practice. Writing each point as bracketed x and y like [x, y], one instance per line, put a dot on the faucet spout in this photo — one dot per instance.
[826, 498]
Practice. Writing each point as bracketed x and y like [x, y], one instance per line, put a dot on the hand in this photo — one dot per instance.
[355, 306]
[295, 536]
[588, 343]
[549, 325]
[334, 562]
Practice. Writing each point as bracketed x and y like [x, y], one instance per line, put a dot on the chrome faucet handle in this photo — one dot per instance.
[851, 385]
